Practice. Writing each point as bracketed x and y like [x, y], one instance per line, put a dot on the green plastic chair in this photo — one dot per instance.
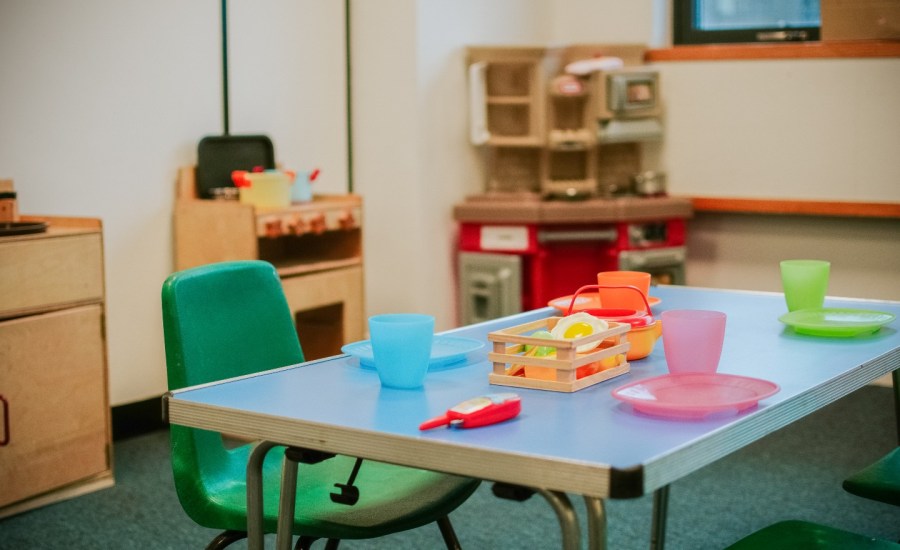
[881, 481]
[232, 319]
[803, 535]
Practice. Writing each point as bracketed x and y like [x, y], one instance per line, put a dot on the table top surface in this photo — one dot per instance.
[586, 442]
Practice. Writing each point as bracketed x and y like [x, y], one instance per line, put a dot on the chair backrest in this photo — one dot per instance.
[225, 320]
[220, 321]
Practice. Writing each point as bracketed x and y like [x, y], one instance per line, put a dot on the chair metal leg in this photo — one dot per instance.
[255, 540]
[225, 538]
[596, 527]
[660, 510]
[565, 514]
[448, 534]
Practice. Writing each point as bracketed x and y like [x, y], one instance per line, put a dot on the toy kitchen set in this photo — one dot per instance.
[566, 196]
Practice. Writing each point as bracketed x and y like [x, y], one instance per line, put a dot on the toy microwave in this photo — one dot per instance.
[628, 106]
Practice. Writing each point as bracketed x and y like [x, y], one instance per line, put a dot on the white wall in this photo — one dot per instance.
[412, 161]
[742, 251]
[101, 102]
[823, 129]
[798, 129]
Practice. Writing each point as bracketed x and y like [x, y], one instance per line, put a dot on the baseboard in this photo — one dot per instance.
[137, 418]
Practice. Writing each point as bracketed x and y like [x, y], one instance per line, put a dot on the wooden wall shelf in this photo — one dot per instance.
[798, 207]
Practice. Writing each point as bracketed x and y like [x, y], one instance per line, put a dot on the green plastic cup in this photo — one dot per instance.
[805, 283]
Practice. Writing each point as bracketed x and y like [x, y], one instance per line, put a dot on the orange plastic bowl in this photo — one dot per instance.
[642, 340]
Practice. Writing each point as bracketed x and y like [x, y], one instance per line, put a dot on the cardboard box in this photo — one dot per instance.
[860, 19]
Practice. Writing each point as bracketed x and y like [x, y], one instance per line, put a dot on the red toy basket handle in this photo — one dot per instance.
[586, 288]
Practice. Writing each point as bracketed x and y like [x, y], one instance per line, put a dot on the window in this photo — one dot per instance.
[727, 21]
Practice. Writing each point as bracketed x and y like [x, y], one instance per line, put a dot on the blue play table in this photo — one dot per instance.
[585, 443]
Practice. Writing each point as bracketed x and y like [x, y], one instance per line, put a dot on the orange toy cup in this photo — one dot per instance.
[618, 298]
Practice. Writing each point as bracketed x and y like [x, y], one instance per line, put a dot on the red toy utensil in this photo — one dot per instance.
[478, 411]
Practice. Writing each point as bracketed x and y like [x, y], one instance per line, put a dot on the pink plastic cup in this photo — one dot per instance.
[692, 339]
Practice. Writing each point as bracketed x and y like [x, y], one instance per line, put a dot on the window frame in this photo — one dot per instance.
[684, 32]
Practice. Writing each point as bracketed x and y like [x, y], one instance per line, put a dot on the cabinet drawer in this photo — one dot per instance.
[50, 273]
[53, 376]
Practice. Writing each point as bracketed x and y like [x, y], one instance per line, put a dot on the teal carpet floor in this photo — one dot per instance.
[794, 473]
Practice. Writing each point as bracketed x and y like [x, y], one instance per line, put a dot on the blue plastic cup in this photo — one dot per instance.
[401, 345]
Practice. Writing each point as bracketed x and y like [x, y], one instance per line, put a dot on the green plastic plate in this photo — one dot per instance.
[836, 322]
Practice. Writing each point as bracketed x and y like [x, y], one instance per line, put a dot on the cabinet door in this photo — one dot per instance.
[327, 308]
[53, 376]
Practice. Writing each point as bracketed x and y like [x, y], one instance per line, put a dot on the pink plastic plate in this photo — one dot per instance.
[694, 395]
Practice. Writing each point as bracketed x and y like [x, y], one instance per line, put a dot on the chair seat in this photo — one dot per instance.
[794, 534]
[880, 481]
[392, 498]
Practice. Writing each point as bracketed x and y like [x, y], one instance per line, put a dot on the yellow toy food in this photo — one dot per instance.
[578, 325]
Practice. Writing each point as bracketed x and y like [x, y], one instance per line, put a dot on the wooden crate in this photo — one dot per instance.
[509, 347]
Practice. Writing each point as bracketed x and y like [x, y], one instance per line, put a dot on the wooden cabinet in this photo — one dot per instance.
[53, 374]
[316, 247]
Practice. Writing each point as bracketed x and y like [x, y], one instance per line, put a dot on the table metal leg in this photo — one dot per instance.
[660, 509]
[596, 526]
[293, 457]
[896, 378]
[285, 535]
[255, 534]
[565, 513]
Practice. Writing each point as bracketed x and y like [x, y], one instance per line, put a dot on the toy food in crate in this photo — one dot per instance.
[559, 353]
[645, 330]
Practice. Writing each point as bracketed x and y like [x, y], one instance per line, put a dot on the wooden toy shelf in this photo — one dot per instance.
[509, 346]
[304, 237]
[315, 246]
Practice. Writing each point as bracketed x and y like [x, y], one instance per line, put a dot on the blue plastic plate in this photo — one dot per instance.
[446, 352]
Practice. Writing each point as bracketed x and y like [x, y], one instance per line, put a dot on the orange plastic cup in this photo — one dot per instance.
[623, 298]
